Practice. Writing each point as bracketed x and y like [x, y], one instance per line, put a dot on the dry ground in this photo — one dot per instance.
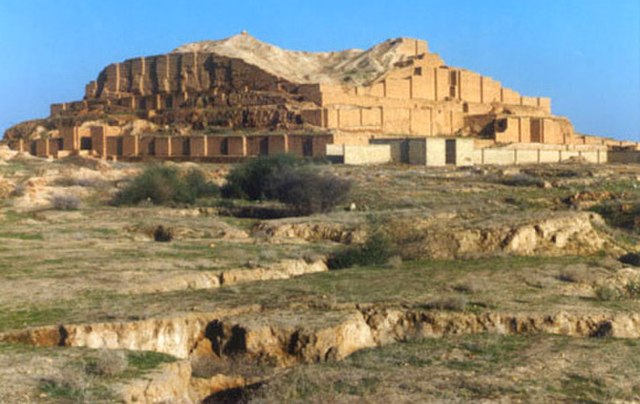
[99, 263]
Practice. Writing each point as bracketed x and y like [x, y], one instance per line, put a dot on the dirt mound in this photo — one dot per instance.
[307, 67]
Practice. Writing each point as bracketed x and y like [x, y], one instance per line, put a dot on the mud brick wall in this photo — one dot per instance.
[115, 146]
[491, 90]
[99, 140]
[147, 145]
[180, 146]
[257, 145]
[237, 145]
[179, 73]
[163, 146]
[198, 146]
[130, 146]
[278, 144]
[217, 146]
[470, 86]
[42, 148]
[510, 97]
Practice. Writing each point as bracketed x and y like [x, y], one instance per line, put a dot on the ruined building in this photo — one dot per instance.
[240, 97]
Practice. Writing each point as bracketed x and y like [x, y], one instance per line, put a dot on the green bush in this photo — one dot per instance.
[289, 180]
[251, 180]
[163, 184]
[522, 180]
[623, 215]
[377, 250]
[608, 293]
[308, 190]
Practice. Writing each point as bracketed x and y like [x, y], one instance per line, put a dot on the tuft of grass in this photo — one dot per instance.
[61, 390]
[143, 361]
[107, 363]
[522, 180]
[22, 236]
[449, 303]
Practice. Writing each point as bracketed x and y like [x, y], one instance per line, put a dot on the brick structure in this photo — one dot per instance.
[200, 86]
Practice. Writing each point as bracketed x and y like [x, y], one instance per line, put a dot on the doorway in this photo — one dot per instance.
[307, 147]
[450, 152]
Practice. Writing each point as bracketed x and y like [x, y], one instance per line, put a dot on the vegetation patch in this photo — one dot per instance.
[289, 180]
[164, 185]
[377, 250]
[622, 215]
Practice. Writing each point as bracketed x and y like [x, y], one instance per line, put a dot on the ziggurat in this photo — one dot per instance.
[240, 97]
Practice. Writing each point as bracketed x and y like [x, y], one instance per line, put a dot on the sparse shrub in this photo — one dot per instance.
[377, 250]
[467, 287]
[522, 180]
[107, 363]
[609, 293]
[92, 182]
[289, 180]
[71, 383]
[65, 202]
[163, 184]
[579, 274]
[19, 190]
[394, 262]
[450, 303]
[633, 289]
[162, 234]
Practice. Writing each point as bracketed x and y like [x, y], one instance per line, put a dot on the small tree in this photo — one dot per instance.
[289, 180]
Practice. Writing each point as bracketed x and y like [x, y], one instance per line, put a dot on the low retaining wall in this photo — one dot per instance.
[359, 155]
[624, 157]
[504, 156]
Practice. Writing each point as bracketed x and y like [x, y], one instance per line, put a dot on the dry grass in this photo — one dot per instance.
[80, 266]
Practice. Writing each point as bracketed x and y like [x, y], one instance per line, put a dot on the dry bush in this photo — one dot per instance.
[89, 182]
[394, 262]
[107, 363]
[522, 180]
[450, 303]
[468, 287]
[65, 202]
[575, 275]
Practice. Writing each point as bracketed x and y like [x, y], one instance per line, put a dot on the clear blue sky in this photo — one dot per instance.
[584, 54]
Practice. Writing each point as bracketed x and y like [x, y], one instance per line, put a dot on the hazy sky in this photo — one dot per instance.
[584, 54]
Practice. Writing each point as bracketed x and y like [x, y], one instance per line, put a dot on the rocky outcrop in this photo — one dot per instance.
[174, 336]
[287, 338]
[194, 280]
[170, 383]
[568, 233]
[311, 230]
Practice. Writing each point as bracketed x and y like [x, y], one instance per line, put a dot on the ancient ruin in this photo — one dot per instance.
[240, 97]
